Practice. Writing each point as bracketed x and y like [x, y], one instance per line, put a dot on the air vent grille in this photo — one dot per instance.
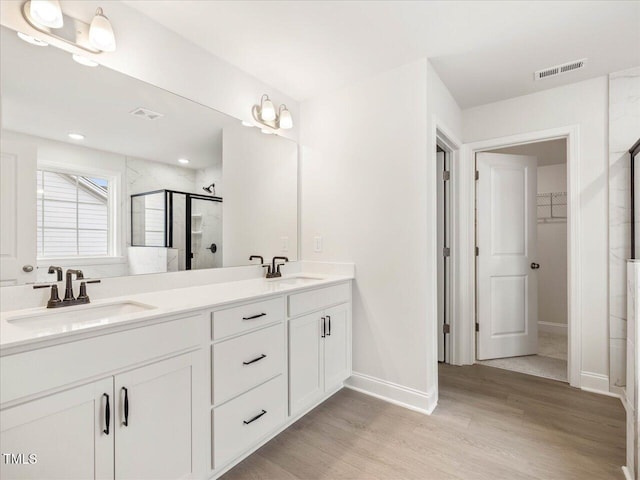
[560, 69]
[146, 113]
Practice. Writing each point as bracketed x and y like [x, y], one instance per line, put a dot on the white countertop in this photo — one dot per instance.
[15, 338]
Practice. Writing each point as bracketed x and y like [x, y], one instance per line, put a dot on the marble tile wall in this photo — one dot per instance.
[633, 357]
[624, 129]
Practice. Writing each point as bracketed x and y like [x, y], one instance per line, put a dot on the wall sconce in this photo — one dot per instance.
[47, 17]
[266, 115]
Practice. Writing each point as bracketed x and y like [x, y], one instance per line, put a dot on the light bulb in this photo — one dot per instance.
[101, 33]
[267, 111]
[285, 122]
[46, 13]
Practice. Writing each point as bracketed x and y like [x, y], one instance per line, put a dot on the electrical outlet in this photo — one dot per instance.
[284, 244]
[317, 244]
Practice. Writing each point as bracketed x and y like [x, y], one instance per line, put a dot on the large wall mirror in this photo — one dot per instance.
[106, 173]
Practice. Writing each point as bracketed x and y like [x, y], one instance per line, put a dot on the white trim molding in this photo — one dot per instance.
[596, 383]
[552, 327]
[422, 402]
[466, 281]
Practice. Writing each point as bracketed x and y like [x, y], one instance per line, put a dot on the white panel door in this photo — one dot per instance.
[507, 289]
[18, 164]
[153, 421]
[67, 433]
[306, 367]
[336, 346]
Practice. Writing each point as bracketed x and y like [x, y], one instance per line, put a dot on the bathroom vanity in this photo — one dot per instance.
[184, 386]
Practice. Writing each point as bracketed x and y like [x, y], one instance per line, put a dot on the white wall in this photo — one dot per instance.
[365, 191]
[150, 52]
[583, 104]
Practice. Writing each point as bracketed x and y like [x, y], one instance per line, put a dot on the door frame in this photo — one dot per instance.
[465, 283]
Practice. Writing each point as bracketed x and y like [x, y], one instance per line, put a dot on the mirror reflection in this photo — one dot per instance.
[114, 176]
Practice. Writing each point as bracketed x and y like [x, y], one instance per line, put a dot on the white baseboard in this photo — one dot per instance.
[406, 397]
[627, 473]
[551, 327]
[596, 383]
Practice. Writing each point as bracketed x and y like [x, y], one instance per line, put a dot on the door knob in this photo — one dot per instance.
[535, 266]
[27, 268]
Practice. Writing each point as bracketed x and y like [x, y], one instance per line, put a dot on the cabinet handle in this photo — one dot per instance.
[107, 415]
[247, 422]
[257, 359]
[126, 407]
[329, 321]
[254, 316]
[324, 327]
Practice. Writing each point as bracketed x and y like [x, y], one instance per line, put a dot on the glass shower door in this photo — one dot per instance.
[206, 233]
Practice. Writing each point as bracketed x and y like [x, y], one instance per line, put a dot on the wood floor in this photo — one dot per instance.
[489, 424]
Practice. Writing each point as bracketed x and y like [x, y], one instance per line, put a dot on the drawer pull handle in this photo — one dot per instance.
[107, 415]
[329, 320]
[324, 327]
[126, 407]
[252, 317]
[257, 359]
[247, 422]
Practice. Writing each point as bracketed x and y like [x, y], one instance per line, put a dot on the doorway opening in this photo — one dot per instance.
[443, 158]
[522, 258]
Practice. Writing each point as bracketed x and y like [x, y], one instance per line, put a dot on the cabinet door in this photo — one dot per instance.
[153, 419]
[305, 362]
[61, 436]
[337, 346]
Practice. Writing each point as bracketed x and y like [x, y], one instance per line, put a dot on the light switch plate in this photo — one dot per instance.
[284, 244]
[317, 244]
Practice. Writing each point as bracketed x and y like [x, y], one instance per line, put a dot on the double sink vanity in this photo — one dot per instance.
[180, 383]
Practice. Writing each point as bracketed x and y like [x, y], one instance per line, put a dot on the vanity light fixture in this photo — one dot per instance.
[266, 115]
[47, 13]
[101, 33]
[32, 40]
[183, 160]
[87, 62]
[246, 123]
[76, 136]
[47, 17]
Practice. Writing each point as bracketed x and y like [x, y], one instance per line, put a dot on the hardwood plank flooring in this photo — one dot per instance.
[489, 424]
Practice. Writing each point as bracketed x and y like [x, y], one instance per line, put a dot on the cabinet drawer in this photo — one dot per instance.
[242, 422]
[311, 300]
[244, 362]
[246, 317]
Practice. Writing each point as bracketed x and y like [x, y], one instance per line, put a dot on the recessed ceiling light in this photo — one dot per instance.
[32, 40]
[76, 136]
[246, 123]
[183, 160]
[87, 62]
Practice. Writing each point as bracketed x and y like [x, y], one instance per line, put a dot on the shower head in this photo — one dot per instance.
[210, 189]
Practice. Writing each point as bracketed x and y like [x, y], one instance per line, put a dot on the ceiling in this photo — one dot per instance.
[46, 94]
[551, 152]
[484, 51]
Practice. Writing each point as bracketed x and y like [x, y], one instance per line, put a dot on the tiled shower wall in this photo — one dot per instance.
[624, 130]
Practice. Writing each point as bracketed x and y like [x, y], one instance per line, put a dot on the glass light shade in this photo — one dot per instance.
[87, 62]
[46, 13]
[267, 110]
[285, 122]
[32, 40]
[101, 33]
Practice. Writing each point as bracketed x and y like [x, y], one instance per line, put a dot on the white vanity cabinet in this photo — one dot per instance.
[319, 345]
[138, 422]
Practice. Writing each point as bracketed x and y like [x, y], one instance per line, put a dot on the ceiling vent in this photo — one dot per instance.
[146, 113]
[560, 69]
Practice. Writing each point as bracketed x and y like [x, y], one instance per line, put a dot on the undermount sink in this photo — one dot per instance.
[301, 280]
[79, 317]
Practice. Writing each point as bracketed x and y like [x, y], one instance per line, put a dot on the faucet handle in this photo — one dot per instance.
[278, 265]
[54, 299]
[268, 267]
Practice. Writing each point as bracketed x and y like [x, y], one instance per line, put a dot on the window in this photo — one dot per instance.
[73, 214]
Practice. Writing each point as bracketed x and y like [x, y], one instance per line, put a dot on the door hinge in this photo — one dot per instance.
[446, 252]
[477, 327]
[446, 328]
[477, 175]
[477, 251]
[446, 175]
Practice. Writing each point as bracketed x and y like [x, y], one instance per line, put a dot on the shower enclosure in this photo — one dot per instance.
[189, 223]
